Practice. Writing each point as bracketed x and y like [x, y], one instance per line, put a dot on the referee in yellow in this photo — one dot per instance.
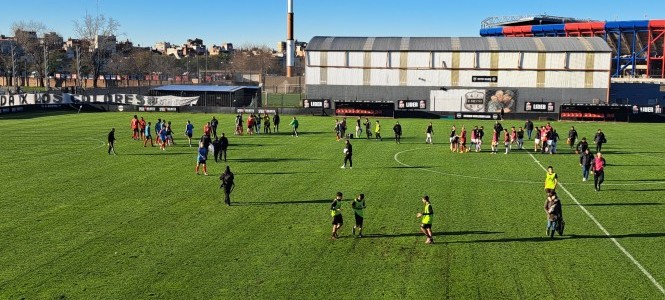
[551, 180]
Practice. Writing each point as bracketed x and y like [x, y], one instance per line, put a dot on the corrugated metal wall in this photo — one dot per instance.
[452, 69]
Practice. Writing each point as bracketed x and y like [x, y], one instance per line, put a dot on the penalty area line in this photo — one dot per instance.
[602, 228]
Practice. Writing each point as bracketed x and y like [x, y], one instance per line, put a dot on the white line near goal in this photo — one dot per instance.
[602, 228]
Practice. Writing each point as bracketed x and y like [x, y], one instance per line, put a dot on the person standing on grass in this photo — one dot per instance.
[368, 124]
[147, 136]
[498, 126]
[529, 128]
[358, 206]
[227, 184]
[359, 130]
[582, 146]
[238, 130]
[536, 140]
[348, 155]
[551, 180]
[294, 125]
[377, 131]
[201, 159]
[169, 133]
[338, 130]
[474, 137]
[275, 121]
[598, 169]
[479, 141]
[599, 139]
[207, 129]
[257, 122]
[397, 129]
[572, 137]
[586, 159]
[506, 140]
[216, 149]
[266, 123]
[158, 128]
[426, 222]
[189, 131]
[553, 211]
[451, 137]
[520, 138]
[224, 144]
[111, 141]
[162, 137]
[554, 140]
[142, 128]
[462, 141]
[342, 128]
[213, 124]
[429, 131]
[495, 141]
[336, 213]
[134, 124]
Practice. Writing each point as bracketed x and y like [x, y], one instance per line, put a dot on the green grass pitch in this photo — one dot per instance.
[76, 223]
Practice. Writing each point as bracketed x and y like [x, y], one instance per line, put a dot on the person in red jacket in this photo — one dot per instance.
[598, 169]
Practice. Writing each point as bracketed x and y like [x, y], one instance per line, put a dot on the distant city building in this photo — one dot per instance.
[6, 44]
[105, 43]
[71, 44]
[53, 40]
[228, 47]
[162, 46]
[281, 47]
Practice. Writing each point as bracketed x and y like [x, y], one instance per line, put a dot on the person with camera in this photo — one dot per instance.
[554, 215]
[227, 184]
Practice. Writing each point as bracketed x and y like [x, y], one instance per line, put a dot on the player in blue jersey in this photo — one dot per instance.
[163, 139]
[147, 135]
[158, 128]
[201, 159]
[189, 131]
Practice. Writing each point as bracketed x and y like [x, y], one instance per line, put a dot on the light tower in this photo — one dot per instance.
[290, 43]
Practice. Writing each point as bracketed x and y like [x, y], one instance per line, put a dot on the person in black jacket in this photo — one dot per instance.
[348, 155]
[227, 184]
[214, 123]
[572, 137]
[398, 132]
[582, 146]
[216, 149]
[498, 126]
[528, 126]
[599, 139]
[224, 144]
[275, 122]
[585, 162]
[111, 140]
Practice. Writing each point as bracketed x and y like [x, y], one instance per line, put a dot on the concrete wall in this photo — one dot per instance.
[452, 99]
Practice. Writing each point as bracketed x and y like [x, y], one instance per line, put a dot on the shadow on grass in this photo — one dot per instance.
[438, 233]
[628, 152]
[271, 159]
[274, 173]
[618, 204]
[533, 239]
[161, 153]
[257, 203]
[651, 179]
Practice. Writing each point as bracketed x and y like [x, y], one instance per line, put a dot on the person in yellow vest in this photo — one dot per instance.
[551, 180]
[377, 131]
[358, 206]
[336, 213]
[426, 220]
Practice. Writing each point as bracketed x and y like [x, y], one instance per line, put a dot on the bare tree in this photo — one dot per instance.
[99, 32]
[26, 34]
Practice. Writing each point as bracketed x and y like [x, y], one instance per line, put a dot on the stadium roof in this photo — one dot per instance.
[529, 20]
[461, 44]
[203, 88]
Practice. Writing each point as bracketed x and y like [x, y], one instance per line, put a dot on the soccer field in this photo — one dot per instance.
[77, 223]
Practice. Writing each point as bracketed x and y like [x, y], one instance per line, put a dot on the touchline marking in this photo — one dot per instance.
[600, 226]
[508, 180]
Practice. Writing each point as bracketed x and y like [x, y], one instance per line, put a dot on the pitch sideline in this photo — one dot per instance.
[602, 228]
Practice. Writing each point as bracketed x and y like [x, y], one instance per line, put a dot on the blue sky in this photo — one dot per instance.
[263, 21]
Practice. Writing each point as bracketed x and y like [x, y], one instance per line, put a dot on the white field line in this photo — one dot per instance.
[602, 228]
[508, 180]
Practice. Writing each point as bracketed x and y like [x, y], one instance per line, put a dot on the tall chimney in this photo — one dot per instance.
[290, 44]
